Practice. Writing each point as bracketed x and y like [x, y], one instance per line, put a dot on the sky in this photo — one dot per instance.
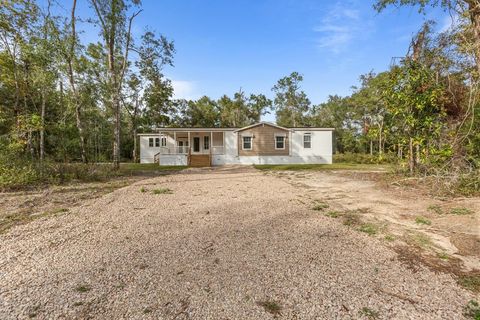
[223, 46]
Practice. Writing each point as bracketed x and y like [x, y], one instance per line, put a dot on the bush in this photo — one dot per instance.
[18, 172]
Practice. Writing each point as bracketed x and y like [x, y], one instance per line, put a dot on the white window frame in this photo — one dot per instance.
[243, 143]
[151, 142]
[157, 142]
[284, 141]
[163, 141]
[206, 142]
[310, 142]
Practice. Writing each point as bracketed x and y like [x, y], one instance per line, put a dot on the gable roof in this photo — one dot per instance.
[262, 123]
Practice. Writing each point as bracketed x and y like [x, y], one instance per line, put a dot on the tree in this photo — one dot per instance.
[462, 8]
[291, 104]
[116, 33]
[413, 98]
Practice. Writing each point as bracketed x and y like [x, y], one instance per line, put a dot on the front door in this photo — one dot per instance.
[196, 144]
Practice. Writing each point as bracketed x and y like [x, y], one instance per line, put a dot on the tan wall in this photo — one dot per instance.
[263, 141]
[217, 139]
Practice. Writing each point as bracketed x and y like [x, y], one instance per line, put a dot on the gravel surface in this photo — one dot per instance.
[229, 243]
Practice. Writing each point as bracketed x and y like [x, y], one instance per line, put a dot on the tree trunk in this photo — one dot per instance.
[42, 128]
[371, 147]
[81, 135]
[474, 12]
[135, 159]
[116, 132]
[76, 98]
[134, 124]
[411, 156]
[417, 153]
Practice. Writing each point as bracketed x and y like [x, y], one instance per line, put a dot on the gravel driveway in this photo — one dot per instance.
[228, 243]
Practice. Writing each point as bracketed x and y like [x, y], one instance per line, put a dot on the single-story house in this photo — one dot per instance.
[260, 143]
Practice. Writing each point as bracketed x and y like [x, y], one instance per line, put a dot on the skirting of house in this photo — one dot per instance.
[219, 160]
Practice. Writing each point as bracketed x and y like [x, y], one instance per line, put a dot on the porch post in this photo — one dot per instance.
[175, 142]
[211, 141]
[160, 145]
[188, 142]
[290, 135]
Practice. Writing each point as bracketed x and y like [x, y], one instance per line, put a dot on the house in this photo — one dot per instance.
[260, 143]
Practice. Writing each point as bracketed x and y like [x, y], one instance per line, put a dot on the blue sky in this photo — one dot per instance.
[224, 45]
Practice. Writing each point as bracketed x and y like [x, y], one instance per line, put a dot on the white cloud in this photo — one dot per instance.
[185, 89]
[339, 27]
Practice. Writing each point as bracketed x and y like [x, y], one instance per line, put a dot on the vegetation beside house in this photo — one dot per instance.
[64, 100]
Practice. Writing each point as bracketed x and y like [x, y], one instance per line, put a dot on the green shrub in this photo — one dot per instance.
[423, 220]
[18, 172]
[162, 191]
[460, 211]
[319, 206]
[368, 228]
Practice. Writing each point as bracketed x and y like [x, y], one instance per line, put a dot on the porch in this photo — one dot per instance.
[192, 147]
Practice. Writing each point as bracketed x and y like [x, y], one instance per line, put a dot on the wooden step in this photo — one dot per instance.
[200, 160]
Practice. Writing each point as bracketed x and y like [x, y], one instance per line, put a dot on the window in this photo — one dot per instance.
[307, 140]
[157, 142]
[164, 141]
[150, 142]
[247, 143]
[206, 142]
[279, 142]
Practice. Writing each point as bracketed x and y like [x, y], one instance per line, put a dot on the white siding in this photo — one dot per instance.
[173, 160]
[148, 153]
[319, 153]
[322, 146]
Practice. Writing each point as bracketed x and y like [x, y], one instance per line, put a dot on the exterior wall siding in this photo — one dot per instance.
[263, 147]
[263, 141]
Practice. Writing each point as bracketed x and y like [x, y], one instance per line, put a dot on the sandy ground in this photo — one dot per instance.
[232, 243]
[394, 210]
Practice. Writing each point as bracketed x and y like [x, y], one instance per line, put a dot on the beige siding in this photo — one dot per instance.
[217, 139]
[263, 141]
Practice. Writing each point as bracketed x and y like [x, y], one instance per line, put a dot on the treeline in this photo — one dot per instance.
[64, 100]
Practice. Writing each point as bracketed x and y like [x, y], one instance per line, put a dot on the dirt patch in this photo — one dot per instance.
[25, 206]
[447, 230]
[467, 244]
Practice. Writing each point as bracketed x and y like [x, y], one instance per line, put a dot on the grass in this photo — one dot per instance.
[389, 238]
[147, 310]
[472, 310]
[470, 282]
[350, 218]
[369, 313]
[332, 214]
[319, 206]
[271, 306]
[423, 220]
[321, 167]
[143, 190]
[368, 228]
[460, 211]
[162, 191]
[419, 239]
[435, 208]
[82, 288]
[443, 255]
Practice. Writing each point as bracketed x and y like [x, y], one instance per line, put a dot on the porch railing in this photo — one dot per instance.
[186, 150]
[174, 150]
